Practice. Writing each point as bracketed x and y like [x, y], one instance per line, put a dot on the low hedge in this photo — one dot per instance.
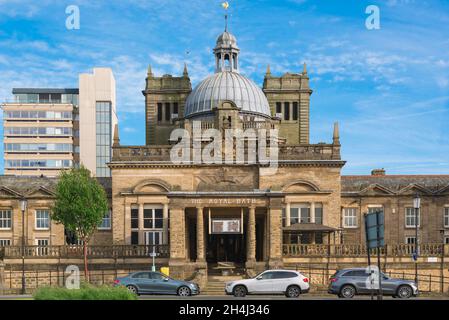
[85, 292]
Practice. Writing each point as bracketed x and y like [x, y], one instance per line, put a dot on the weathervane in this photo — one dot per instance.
[225, 5]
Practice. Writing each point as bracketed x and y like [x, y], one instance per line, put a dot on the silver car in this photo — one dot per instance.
[347, 283]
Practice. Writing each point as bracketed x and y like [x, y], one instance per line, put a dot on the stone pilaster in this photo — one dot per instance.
[251, 250]
[177, 234]
[275, 221]
[200, 252]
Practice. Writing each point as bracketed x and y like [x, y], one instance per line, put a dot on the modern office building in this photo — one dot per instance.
[43, 132]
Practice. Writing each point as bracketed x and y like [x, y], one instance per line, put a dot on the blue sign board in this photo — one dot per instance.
[374, 228]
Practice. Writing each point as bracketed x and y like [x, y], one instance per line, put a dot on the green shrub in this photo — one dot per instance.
[86, 292]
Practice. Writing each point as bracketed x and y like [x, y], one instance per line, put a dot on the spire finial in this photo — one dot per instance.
[116, 137]
[336, 138]
[185, 73]
[304, 68]
[268, 73]
[149, 72]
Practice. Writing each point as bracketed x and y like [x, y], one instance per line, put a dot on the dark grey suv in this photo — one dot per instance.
[347, 283]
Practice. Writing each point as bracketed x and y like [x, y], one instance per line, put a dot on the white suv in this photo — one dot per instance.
[288, 282]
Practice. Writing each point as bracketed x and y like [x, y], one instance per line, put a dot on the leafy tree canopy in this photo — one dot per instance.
[81, 202]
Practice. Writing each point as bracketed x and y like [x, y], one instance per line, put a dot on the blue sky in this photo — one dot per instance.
[388, 88]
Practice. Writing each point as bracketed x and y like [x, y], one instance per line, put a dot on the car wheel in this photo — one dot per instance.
[405, 292]
[347, 292]
[239, 291]
[184, 292]
[293, 292]
[132, 289]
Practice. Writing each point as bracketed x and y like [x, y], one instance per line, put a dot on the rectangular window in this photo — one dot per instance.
[278, 107]
[410, 240]
[159, 112]
[103, 138]
[375, 208]
[134, 218]
[42, 219]
[5, 242]
[300, 213]
[286, 110]
[446, 217]
[106, 223]
[134, 237]
[42, 247]
[318, 213]
[410, 218]
[295, 111]
[350, 217]
[152, 218]
[446, 240]
[175, 108]
[5, 219]
[167, 111]
[153, 237]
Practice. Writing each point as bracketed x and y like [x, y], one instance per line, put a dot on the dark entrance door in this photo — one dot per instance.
[226, 248]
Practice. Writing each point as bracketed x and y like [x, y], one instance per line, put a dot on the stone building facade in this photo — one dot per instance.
[239, 212]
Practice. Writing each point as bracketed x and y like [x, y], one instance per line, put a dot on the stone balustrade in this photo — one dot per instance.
[359, 250]
[75, 251]
[162, 153]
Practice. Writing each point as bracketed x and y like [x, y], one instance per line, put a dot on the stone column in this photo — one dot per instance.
[165, 223]
[178, 256]
[141, 237]
[200, 252]
[275, 220]
[312, 212]
[251, 250]
[287, 214]
[177, 234]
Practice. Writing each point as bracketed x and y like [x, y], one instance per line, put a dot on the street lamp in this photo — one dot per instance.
[416, 205]
[23, 207]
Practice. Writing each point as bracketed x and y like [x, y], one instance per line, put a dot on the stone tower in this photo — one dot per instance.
[164, 101]
[289, 99]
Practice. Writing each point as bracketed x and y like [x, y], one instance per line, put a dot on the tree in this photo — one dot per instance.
[81, 203]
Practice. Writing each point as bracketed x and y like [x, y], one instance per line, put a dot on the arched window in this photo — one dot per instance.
[227, 62]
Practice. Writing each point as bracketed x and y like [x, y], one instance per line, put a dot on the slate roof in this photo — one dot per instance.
[25, 185]
[395, 183]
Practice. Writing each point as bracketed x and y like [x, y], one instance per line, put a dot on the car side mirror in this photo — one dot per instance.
[166, 279]
[259, 278]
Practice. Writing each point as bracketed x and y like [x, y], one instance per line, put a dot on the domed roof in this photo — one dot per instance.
[230, 86]
[226, 39]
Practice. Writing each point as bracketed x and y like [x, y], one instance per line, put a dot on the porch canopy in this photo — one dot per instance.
[311, 229]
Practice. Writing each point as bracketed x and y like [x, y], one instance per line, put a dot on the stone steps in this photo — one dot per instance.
[216, 284]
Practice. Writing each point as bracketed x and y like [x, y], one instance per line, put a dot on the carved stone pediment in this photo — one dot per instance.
[225, 179]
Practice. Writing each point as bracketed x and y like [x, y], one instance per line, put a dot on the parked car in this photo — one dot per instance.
[347, 283]
[146, 282]
[288, 282]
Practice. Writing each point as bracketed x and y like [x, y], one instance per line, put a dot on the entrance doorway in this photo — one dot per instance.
[226, 248]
